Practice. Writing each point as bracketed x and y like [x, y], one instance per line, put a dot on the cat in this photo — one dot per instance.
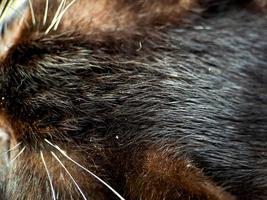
[133, 99]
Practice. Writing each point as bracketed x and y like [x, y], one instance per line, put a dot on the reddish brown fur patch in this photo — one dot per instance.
[122, 14]
[261, 3]
[94, 16]
[163, 176]
[258, 5]
[104, 15]
[4, 124]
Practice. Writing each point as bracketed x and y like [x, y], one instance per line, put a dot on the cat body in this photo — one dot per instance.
[136, 100]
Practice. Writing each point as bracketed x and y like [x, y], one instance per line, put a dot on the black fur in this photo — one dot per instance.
[200, 88]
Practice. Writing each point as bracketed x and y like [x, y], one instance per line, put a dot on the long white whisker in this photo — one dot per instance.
[3, 7]
[69, 175]
[11, 149]
[91, 173]
[46, 12]
[55, 17]
[22, 150]
[32, 13]
[49, 177]
[62, 9]
[62, 14]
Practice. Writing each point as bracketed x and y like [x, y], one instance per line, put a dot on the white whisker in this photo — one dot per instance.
[32, 13]
[3, 7]
[11, 149]
[91, 173]
[49, 177]
[69, 175]
[46, 12]
[22, 150]
[62, 14]
[55, 17]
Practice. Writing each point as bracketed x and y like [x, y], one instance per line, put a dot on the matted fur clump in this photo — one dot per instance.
[133, 99]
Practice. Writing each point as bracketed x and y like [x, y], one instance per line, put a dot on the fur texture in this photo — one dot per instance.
[160, 99]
